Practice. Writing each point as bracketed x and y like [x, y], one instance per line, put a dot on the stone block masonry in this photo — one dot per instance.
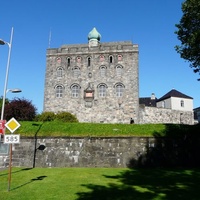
[153, 115]
[108, 72]
[104, 152]
[75, 152]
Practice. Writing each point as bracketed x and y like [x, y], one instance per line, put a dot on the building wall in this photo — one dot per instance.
[153, 115]
[164, 104]
[174, 103]
[108, 109]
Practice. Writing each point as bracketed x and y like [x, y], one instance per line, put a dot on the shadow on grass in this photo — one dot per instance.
[13, 172]
[39, 178]
[158, 173]
[147, 184]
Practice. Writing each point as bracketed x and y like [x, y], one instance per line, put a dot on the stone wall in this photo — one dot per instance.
[111, 107]
[102, 152]
[76, 152]
[153, 115]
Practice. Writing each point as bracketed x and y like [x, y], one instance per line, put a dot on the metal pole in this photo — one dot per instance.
[7, 72]
[10, 168]
[3, 103]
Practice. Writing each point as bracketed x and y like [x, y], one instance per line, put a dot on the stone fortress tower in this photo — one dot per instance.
[98, 82]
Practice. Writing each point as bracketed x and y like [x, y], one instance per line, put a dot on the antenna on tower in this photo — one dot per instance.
[49, 38]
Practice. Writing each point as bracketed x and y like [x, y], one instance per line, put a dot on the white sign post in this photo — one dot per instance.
[12, 125]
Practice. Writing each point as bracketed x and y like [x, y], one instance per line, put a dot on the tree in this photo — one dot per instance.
[189, 34]
[20, 109]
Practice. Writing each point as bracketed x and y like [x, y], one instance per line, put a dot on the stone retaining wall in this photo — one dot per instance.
[98, 152]
[76, 152]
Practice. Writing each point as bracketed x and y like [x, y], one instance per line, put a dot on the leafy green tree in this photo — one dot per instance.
[189, 34]
[20, 109]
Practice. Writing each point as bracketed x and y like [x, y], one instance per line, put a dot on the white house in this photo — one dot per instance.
[175, 100]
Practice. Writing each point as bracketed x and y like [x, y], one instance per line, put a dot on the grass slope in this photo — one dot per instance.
[60, 129]
[101, 184]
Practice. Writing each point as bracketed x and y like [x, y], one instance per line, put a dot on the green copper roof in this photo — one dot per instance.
[94, 34]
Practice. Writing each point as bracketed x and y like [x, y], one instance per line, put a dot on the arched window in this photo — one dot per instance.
[102, 90]
[59, 91]
[75, 90]
[76, 72]
[89, 61]
[68, 62]
[119, 89]
[59, 72]
[119, 70]
[182, 103]
[103, 71]
[110, 59]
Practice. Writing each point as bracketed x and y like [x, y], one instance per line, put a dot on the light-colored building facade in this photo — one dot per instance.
[98, 82]
[175, 100]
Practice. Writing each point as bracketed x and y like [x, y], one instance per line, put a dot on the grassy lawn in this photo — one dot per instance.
[100, 184]
[60, 129]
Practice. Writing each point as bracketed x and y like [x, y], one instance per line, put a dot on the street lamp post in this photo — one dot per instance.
[2, 42]
[7, 72]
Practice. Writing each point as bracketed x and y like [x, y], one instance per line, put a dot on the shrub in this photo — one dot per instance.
[66, 117]
[46, 116]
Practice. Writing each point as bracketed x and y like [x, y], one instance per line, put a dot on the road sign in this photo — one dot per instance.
[11, 139]
[2, 126]
[12, 125]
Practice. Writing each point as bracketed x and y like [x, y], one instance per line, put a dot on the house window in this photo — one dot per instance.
[59, 72]
[68, 62]
[182, 103]
[76, 72]
[89, 61]
[102, 90]
[59, 91]
[119, 89]
[103, 71]
[110, 59]
[119, 70]
[75, 90]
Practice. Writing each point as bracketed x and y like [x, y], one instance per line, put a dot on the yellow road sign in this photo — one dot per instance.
[12, 125]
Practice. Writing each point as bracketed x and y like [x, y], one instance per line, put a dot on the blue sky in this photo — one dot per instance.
[150, 24]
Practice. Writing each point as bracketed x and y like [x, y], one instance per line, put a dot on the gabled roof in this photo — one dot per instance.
[148, 101]
[174, 93]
